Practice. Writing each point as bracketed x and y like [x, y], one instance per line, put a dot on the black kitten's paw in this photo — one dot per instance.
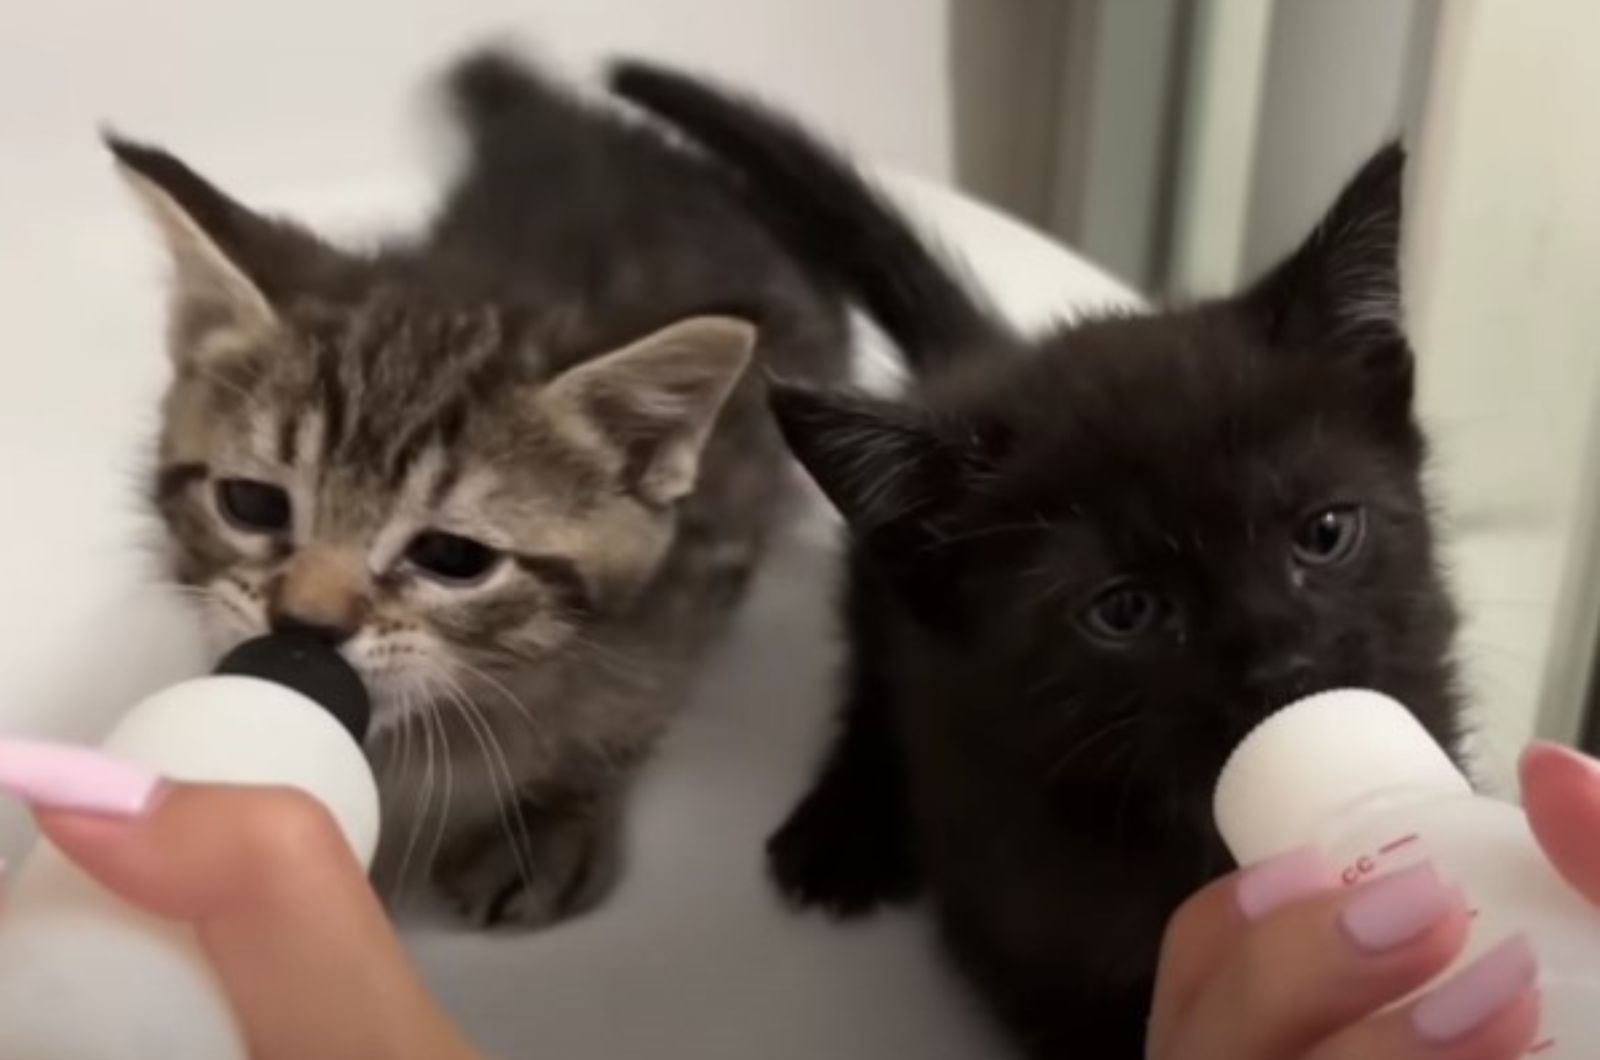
[845, 859]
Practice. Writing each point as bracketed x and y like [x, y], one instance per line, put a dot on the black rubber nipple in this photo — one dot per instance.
[308, 665]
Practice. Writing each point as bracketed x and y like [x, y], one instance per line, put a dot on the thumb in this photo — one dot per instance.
[1207, 927]
[1561, 793]
[198, 852]
[282, 910]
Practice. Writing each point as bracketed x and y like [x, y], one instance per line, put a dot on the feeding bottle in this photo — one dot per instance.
[1356, 774]
[84, 976]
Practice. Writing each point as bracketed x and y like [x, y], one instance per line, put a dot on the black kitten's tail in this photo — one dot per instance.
[825, 211]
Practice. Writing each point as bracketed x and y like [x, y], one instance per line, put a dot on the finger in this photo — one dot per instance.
[1207, 927]
[200, 851]
[283, 910]
[1561, 792]
[1488, 1011]
[1315, 967]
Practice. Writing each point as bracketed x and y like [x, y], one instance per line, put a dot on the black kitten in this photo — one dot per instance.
[1083, 566]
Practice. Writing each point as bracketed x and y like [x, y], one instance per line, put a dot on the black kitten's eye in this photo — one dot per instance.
[451, 557]
[1330, 536]
[255, 507]
[1125, 611]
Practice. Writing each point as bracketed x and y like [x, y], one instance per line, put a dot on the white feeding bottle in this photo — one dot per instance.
[84, 976]
[1354, 773]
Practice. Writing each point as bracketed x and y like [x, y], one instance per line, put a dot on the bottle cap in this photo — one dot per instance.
[308, 665]
[1316, 756]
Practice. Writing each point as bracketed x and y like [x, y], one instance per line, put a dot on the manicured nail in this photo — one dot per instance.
[1393, 910]
[1475, 995]
[1269, 886]
[60, 776]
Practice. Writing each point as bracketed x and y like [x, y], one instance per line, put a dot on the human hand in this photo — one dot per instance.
[1561, 794]
[1279, 963]
[279, 904]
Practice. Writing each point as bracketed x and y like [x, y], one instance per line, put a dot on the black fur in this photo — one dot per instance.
[848, 231]
[1047, 784]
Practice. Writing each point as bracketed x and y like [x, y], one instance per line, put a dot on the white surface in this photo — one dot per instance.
[694, 957]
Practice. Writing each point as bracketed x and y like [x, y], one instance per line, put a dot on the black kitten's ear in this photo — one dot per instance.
[231, 265]
[879, 462]
[1340, 290]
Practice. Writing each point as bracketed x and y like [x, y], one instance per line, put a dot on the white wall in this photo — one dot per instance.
[1503, 272]
[1221, 119]
[1339, 81]
[292, 90]
[1284, 99]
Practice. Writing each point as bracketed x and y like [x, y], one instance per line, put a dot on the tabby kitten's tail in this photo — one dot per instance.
[827, 213]
[501, 102]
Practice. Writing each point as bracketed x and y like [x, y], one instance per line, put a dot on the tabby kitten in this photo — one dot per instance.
[1083, 565]
[515, 468]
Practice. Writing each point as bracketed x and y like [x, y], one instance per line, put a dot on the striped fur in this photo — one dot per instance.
[557, 370]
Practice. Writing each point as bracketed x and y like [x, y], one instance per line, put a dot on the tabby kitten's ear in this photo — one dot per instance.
[880, 463]
[1339, 292]
[231, 264]
[656, 400]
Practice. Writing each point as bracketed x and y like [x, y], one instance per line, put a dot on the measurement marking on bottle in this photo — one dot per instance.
[1399, 844]
[1542, 1047]
[1371, 864]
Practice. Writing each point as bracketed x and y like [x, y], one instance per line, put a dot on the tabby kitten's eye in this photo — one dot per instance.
[1330, 536]
[254, 507]
[1125, 611]
[451, 558]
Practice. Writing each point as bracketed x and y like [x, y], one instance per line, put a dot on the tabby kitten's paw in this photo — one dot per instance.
[842, 858]
[563, 872]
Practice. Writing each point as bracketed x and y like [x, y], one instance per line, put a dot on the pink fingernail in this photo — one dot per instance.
[1265, 888]
[1395, 909]
[62, 776]
[1474, 996]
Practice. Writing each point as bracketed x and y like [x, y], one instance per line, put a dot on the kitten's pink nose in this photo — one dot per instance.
[322, 592]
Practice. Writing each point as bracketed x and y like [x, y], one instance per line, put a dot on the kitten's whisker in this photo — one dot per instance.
[394, 745]
[423, 801]
[216, 379]
[618, 662]
[1037, 524]
[500, 776]
[1116, 725]
[538, 729]
[1130, 773]
[447, 757]
[204, 592]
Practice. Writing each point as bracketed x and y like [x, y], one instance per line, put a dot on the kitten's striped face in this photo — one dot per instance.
[405, 476]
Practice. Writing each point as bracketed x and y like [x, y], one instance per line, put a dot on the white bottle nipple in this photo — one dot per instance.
[1316, 756]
